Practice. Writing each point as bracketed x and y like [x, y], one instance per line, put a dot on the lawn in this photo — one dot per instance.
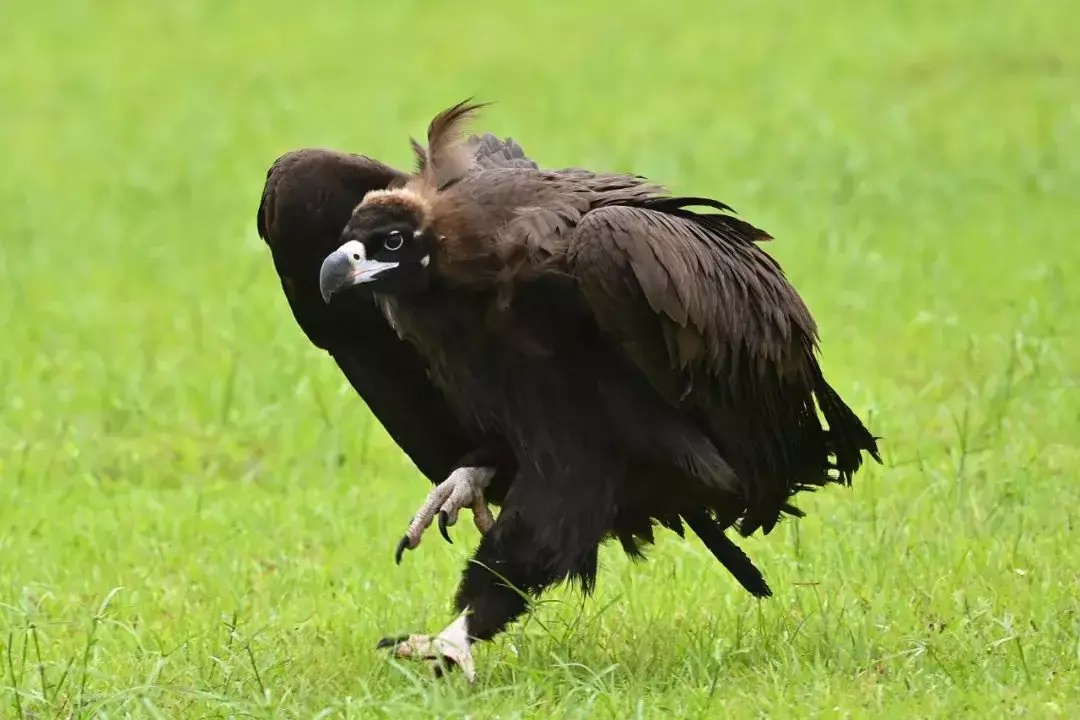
[198, 515]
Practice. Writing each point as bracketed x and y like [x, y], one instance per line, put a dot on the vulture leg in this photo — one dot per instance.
[550, 529]
[463, 488]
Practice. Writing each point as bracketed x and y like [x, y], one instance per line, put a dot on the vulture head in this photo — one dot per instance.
[390, 245]
[387, 246]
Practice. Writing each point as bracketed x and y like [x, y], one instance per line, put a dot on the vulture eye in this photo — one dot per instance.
[393, 241]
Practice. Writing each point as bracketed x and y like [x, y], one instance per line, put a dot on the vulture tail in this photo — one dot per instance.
[728, 553]
[846, 437]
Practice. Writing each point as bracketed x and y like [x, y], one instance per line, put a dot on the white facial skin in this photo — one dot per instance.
[363, 270]
[350, 265]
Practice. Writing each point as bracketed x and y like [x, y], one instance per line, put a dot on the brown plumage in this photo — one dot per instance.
[640, 362]
[446, 158]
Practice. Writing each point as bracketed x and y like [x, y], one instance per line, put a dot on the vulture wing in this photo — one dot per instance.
[307, 199]
[691, 296]
[713, 324]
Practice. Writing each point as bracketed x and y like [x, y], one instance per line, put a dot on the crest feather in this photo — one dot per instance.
[447, 157]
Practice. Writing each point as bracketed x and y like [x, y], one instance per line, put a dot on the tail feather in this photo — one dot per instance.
[846, 438]
[728, 553]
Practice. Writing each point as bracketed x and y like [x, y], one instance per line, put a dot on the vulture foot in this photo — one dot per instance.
[464, 488]
[449, 648]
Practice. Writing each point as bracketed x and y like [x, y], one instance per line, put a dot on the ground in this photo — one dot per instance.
[198, 516]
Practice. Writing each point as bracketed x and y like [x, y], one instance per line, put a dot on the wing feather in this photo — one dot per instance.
[713, 293]
[714, 325]
[306, 200]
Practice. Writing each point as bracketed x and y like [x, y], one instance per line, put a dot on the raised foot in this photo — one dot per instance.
[450, 646]
[464, 488]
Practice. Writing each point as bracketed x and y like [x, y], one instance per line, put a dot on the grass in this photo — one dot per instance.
[197, 515]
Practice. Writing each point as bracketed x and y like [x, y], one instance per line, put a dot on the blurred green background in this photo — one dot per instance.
[197, 514]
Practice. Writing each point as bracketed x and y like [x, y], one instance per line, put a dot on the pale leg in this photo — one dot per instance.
[464, 488]
[451, 644]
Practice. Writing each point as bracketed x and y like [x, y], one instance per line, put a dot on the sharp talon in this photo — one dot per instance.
[442, 526]
[444, 652]
[463, 488]
[401, 548]
[389, 642]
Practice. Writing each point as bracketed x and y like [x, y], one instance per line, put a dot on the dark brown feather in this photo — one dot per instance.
[420, 153]
[690, 298]
[448, 157]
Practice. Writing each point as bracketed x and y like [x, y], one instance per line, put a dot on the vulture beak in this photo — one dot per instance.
[348, 266]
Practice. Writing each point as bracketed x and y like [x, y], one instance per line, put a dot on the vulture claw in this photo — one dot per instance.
[463, 488]
[443, 524]
[450, 648]
[402, 546]
[391, 641]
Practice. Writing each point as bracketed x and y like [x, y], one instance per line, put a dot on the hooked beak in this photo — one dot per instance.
[348, 266]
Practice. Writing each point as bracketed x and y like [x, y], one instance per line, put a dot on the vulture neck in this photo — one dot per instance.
[439, 317]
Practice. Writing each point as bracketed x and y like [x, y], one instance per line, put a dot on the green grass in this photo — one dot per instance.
[197, 515]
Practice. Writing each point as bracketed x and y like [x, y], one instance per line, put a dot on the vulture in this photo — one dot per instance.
[589, 351]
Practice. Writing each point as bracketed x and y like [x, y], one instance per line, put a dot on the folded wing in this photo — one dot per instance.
[307, 198]
[713, 324]
[306, 201]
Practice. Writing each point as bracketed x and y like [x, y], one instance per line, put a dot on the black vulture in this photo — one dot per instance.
[618, 358]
